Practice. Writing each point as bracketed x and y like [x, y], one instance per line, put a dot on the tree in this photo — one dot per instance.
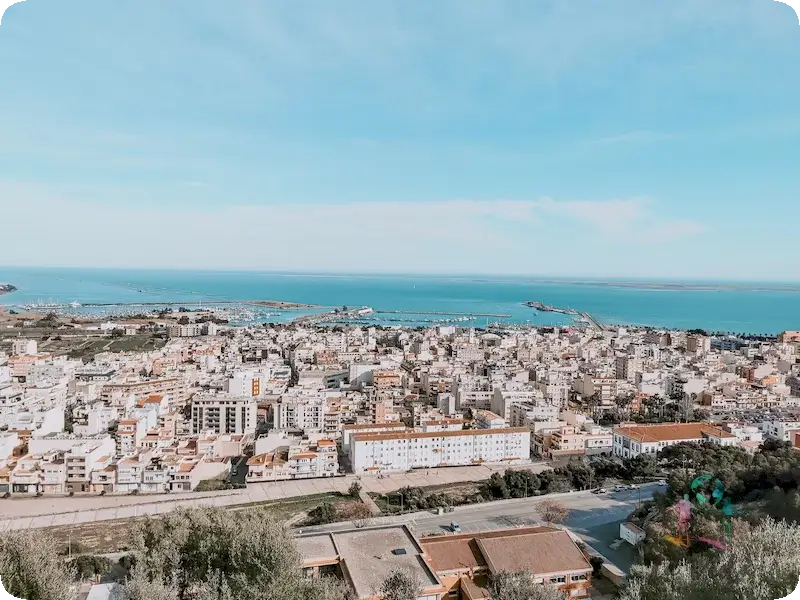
[183, 320]
[496, 487]
[401, 585]
[521, 586]
[214, 554]
[31, 568]
[354, 491]
[89, 566]
[323, 514]
[762, 563]
[642, 465]
[553, 511]
[117, 333]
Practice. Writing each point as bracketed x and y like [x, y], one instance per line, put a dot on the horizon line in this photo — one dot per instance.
[373, 273]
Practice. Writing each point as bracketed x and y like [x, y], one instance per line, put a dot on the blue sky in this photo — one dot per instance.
[613, 138]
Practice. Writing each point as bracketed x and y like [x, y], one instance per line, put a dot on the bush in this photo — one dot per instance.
[213, 485]
[354, 491]
[597, 565]
[90, 566]
[322, 515]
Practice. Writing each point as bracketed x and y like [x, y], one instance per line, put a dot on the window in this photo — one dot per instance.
[579, 577]
[561, 579]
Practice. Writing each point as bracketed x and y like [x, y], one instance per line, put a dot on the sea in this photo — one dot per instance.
[749, 308]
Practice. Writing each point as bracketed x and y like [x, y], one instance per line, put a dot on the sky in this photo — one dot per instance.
[542, 137]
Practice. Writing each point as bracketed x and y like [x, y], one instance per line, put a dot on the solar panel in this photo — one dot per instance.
[399, 552]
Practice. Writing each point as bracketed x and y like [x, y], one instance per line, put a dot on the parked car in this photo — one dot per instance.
[633, 486]
[455, 527]
[619, 488]
[600, 491]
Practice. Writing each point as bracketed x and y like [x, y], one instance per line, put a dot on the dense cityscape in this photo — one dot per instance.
[390, 300]
[363, 427]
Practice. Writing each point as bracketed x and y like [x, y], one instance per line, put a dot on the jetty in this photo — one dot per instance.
[577, 315]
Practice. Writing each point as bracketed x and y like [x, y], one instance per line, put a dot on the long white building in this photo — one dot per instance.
[631, 441]
[404, 450]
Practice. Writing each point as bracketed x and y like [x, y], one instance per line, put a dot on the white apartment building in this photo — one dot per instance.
[503, 399]
[8, 441]
[297, 461]
[97, 419]
[630, 441]
[626, 367]
[247, 383]
[523, 414]
[224, 414]
[779, 430]
[24, 347]
[604, 387]
[401, 451]
[300, 413]
[348, 431]
[486, 419]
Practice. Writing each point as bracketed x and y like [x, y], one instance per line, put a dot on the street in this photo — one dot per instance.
[593, 518]
[32, 513]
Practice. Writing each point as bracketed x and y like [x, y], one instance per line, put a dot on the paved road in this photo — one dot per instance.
[32, 513]
[593, 518]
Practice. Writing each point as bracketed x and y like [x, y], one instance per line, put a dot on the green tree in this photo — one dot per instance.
[521, 586]
[496, 487]
[214, 554]
[31, 568]
[762, 563]
[354, 491]
[324, 513]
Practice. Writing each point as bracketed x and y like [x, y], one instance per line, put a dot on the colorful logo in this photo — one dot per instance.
[718, 499]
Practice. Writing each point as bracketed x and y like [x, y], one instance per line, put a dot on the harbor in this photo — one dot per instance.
[577, 315]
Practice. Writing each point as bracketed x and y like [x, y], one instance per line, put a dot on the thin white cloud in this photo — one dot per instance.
[454, 235]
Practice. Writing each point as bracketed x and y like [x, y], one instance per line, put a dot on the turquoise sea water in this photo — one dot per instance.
[722, 309]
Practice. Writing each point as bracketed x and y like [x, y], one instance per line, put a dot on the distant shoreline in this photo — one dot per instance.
[6, 288]
[702, 287]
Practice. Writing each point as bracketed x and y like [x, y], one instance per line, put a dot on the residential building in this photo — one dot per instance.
[222, 413]
[632, 440]
[404, 450]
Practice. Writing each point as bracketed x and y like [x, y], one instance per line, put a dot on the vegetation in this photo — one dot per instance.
[354, 491]
[214, 485]
[521, 586]
[761, 564]
[552, 511]
[31, 568]
[213, 554]
[323, 514]
[401, 585]
[89, 566]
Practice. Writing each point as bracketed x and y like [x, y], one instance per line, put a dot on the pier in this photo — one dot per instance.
[577, 315]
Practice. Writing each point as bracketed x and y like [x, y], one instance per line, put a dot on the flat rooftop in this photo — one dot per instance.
[369, 556]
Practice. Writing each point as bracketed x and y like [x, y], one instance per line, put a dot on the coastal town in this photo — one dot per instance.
[215, 408]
